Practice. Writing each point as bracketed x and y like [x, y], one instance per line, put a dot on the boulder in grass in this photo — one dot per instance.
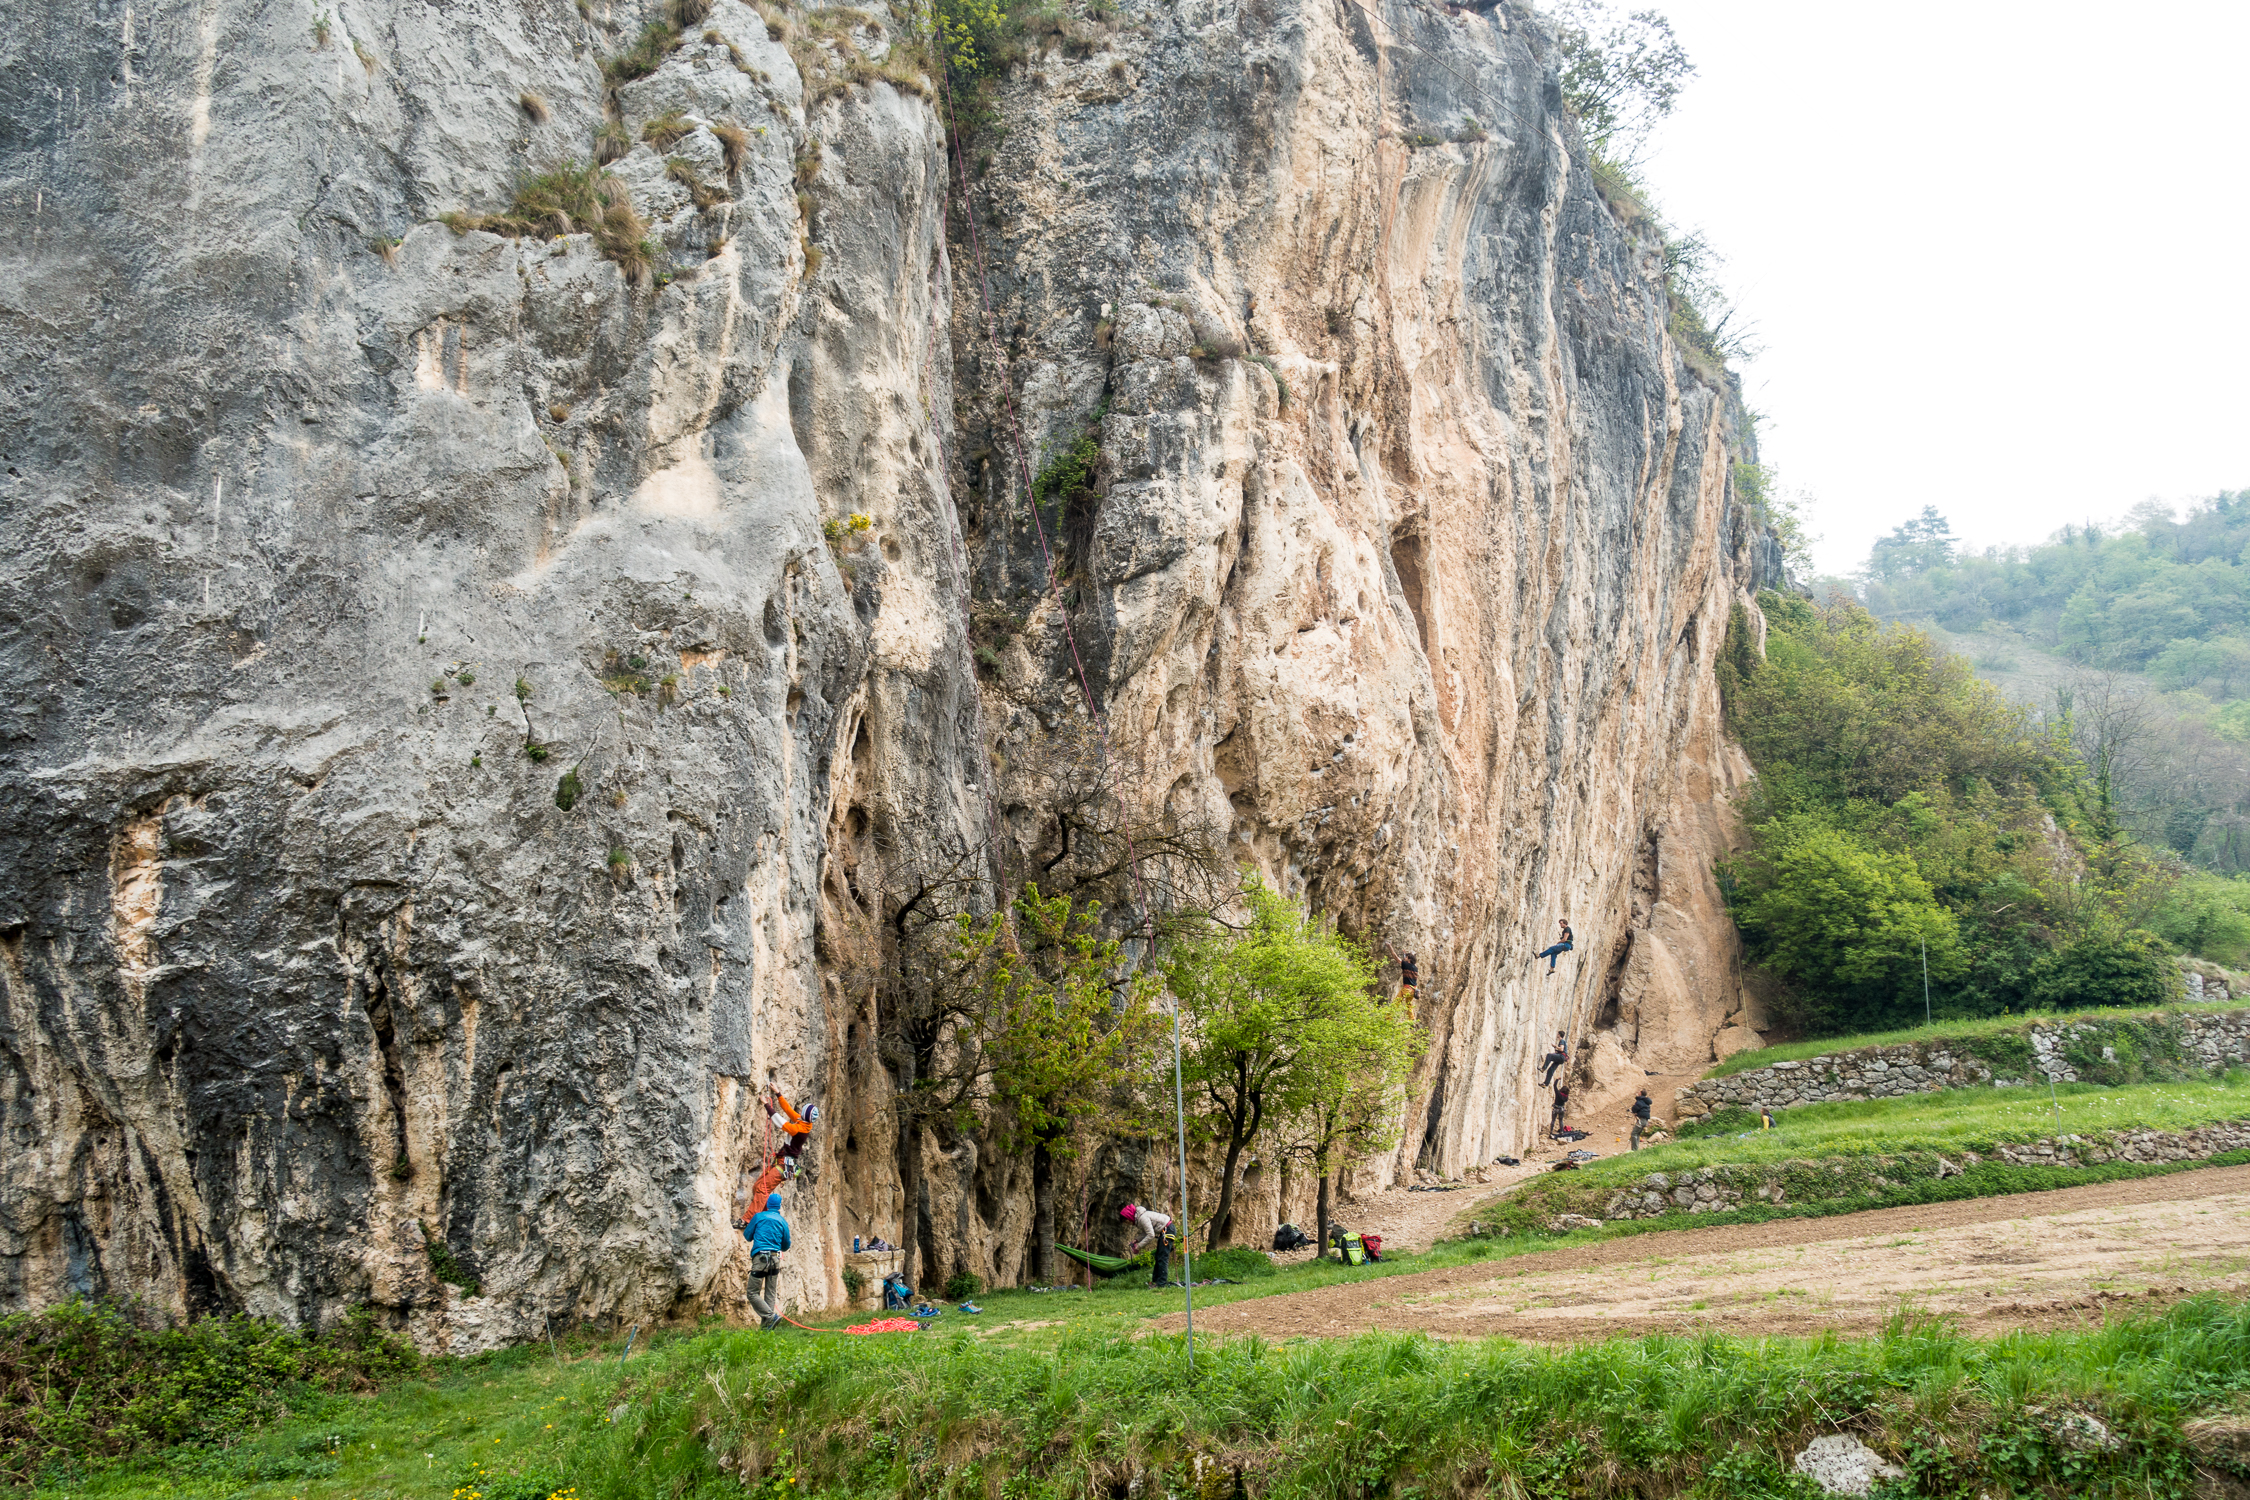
[1843, 1465]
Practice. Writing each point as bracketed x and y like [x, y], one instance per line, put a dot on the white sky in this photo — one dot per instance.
[1998, 255]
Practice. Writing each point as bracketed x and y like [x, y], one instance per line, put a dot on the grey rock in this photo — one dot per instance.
[304, 956]
[1843, 1465]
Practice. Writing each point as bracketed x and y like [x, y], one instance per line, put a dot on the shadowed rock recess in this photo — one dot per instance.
[440, 737]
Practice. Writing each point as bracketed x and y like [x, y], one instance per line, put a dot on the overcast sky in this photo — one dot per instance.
[1998, 255]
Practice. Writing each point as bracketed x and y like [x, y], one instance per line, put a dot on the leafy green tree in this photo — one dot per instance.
[1347, 1096]
[1921, 545]
[1257, 1007]
[1620, 74]
[1058, 1021]
[1846, 922]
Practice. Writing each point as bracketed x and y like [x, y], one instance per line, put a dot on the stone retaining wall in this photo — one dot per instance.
[2209, 1042]
[1716, 1189]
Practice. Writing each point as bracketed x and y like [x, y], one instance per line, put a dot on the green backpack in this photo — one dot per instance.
[1355, 1252]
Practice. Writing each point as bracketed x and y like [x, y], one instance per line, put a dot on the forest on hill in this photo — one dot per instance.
[1910, 820]
[2130, 640]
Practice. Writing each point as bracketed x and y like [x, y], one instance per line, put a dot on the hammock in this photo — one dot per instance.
[1104, 1265]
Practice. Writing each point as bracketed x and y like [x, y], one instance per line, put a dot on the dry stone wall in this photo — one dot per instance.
[1720, 1188]
[2063, 1051]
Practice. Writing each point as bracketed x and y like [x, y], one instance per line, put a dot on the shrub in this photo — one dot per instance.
[442, 1264]
[846, 534]
[1235, 1263]
[90, 1379]
[962, 1285]
[2106, 967]
[536, 751]
[569, 790]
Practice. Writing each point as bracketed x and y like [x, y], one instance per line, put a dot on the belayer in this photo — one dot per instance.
[1549, 954]
[768, 1234]
[1155, 1228]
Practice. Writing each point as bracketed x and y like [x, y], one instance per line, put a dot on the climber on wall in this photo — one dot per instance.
[1550, 954]
[1555, 1059]
[1409, 978]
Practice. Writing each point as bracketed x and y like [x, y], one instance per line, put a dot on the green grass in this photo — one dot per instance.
[1096, 1413]
[1844, 1158]
[1943, 1031]
[1957, 1119]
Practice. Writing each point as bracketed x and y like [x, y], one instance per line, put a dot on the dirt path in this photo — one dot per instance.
[1414, 1219]
[2028, 1260]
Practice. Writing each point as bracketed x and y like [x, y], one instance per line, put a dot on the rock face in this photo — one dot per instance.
[449, 699]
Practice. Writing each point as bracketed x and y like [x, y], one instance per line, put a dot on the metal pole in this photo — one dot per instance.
[1187, 1261]
[1925, 978]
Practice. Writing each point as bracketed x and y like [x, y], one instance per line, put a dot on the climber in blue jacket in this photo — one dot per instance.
[768, 1234]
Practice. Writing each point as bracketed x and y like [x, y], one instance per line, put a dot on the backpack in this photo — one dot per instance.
[1355, 1249]
[1374, 1244]
[1290, 1237]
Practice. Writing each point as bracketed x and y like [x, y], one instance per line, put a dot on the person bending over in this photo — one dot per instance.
[1155, 1228]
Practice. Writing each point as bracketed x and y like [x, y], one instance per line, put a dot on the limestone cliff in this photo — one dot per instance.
[440, 726]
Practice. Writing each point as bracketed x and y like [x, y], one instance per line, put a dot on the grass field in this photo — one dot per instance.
[1970, 1119]
[1939, 1031]
[1075, 1397]
[1098, 1413]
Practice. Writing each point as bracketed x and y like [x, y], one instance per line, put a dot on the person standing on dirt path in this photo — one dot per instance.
[1155, 1228]
[1551, 954]
[1641, 1108]
[768, 1234]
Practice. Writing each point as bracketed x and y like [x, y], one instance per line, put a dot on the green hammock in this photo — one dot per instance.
[1105, 1265]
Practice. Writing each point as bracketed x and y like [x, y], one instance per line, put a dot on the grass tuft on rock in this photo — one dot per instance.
[572, 199]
